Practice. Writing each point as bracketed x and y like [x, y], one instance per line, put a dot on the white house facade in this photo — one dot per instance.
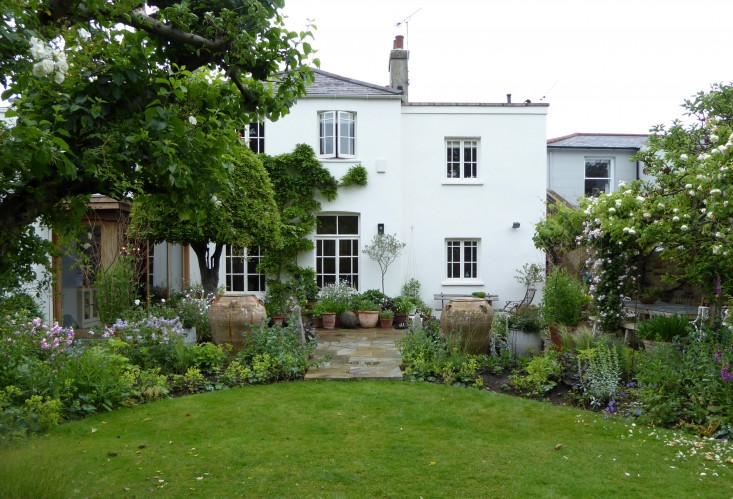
[587, 164]
[461, 184]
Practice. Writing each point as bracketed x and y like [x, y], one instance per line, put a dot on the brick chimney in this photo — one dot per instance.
[398, 57]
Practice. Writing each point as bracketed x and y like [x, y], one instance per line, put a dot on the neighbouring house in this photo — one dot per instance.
[461, 183]
[587, 164]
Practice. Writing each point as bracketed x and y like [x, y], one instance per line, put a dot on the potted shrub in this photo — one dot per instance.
[317, 314]
[386, 317]
[339, 297]
[368, 312]
[525, 326]
[649, 295]
[276, 302]
[328, 312]
[403, 305]
[662, 329]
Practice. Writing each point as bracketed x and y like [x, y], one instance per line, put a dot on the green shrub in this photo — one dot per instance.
[96, 380]
[690, 383]
[236, 374]
[356, 176]
[540, 375]
[148, 343]
[563, 298]
[207, 357]
[664, 328]
[600, 374]
[19, 304]
[276, 350]
[116, 289]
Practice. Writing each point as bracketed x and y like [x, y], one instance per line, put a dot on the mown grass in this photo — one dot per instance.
[360, 439]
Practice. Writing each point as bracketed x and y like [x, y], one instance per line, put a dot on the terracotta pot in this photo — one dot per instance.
[386, 323]
[329, 320]
[466, 323]
[278, 319]
[317, 321]
[229, 316]
[648, 300]
[368, 318]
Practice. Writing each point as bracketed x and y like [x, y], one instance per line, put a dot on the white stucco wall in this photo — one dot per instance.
[566, 169]
[510, 188]
[403, 149]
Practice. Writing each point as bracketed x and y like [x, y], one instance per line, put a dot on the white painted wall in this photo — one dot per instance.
[566, 169]
[403, 149]
[511, 188]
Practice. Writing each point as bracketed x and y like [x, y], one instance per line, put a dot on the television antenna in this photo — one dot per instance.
[406, 22]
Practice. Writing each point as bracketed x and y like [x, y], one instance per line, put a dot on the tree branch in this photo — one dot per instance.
[146, 23]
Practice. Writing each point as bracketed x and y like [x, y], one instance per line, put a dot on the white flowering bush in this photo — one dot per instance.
[48, 60]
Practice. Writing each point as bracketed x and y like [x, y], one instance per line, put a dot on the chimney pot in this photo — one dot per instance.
[508, 98]
[398, 42]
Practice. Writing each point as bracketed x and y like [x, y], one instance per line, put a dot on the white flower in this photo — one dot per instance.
[58, 77]
[714, 138]
[715, 192]
[683, 157]
[716, 249]
[675, 219]
[719, 235]
[618, 202]
[192, 120]
[691, 193]
[162, 300]
[137, 302]
[647, 214]
[84, 34]
[62, 66]
[43, 68]
[684, 227]
[612, 210]
[688, 186]
[710, 215]
[622, 183]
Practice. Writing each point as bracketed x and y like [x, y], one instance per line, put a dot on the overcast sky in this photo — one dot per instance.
[619, 66]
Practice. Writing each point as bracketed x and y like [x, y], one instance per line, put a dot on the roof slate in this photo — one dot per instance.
[599, 141]
[332, 85]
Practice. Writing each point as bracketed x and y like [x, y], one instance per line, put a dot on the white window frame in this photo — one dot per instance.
[469, 269]
[608, 179]
[253, 136]
[340, 141]
[461, 170]
[251, 258]
[353, 240]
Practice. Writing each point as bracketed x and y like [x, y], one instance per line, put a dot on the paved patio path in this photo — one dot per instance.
[357, 353]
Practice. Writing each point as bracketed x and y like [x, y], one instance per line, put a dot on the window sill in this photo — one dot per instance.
[462, 282]
[339, 160]
[462, 182]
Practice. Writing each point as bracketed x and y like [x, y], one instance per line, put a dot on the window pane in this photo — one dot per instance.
[326, 225]
[329, 247]
[327, 133]
[595, 188]
[345, 265]
[329, 265]
[348, 225]
[237, 283]
[597, 168]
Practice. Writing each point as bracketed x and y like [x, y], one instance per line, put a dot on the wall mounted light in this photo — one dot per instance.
[515, 225]
[380, 229]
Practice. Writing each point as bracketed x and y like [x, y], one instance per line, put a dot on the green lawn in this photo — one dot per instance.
[356, 439]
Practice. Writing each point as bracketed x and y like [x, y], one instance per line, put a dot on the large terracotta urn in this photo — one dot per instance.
[466, 324]
[231, 315]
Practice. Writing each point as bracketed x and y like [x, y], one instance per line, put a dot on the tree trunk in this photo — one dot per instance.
[208, 266]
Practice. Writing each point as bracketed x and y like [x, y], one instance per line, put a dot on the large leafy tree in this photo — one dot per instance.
[242, 214]
[108, 98]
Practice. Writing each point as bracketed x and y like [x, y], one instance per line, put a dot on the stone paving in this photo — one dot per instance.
[357, 354]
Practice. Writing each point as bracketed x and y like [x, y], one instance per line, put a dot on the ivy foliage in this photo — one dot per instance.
[117, 99]
[356, 176]
[300, 181]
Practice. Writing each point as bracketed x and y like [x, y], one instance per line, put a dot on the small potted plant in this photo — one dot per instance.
[662, 329]
[386, 317]
[649, 295]
[403, 305]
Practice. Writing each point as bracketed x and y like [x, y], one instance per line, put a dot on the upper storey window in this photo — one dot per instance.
[337, 134]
